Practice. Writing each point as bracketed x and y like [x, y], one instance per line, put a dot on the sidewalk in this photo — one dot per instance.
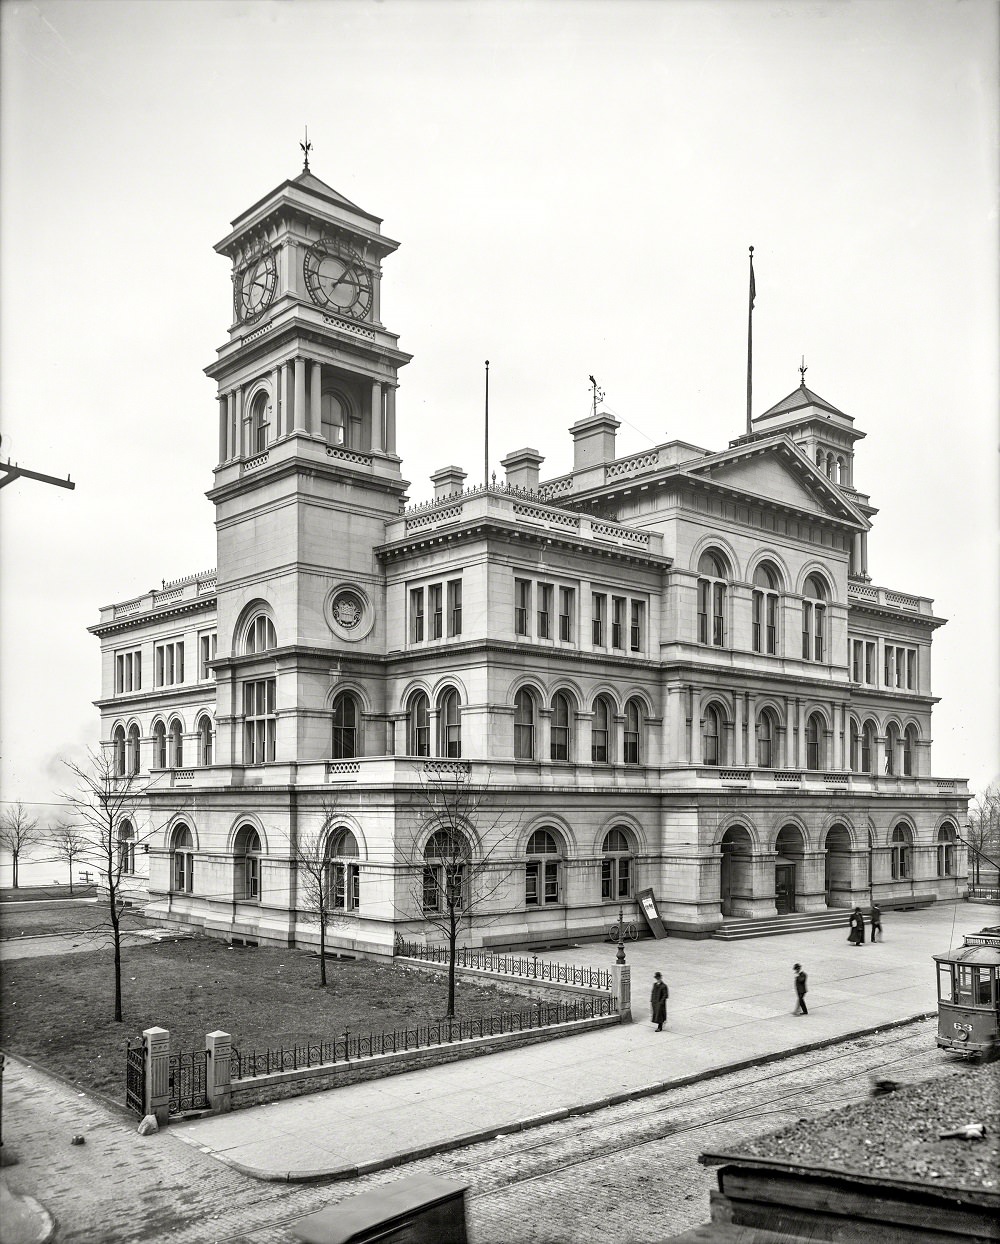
[730, 1005]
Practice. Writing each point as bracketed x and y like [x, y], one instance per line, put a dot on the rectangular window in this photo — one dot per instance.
[599, 619]
[432, 891]
[911, 669]
[617, 622]
[870, 664]
[857, 659]
[718, 614]
[541, 883]
[704, 597]
[169, 663]
[772, 624]
[345, 887]
[757, 630]
[522, 605]
[454, 607]
[806, 629]
[259, 721]
[624, 878]
[128, 672]
[607, 879]
[566, 614]
[900, 667]
[207, 646]
[889, 665]
[819, 632]
[416, 615]
[435, 608]
[636, 627]
[544, 610]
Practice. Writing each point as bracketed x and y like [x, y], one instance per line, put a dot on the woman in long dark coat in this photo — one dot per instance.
[658, 1001]
[857, 933]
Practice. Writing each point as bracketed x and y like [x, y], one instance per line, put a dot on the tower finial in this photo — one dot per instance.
[306, 148]
[802, 371]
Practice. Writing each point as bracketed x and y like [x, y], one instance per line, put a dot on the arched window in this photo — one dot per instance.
[946, 838]
[841, 471]
[616, 866]
[446, 861]
[712, 744]
[450, 724]
[176, 752]
[815, 758]
[892, 749]
[182, 860]
[133, 756]
[247, 854]
[524, 725]
[633, 732]
[559, 746]
[829, 466]
[901, 845]
[259, 422]
[345, 727]
[418, 725]
[541, 874]
[814, 619]
[206, 740]
[868, 747]
[765, 609]
[601, 739]
[343, 884]
[332, 420]
[260, 635]
[159, 745]
[118, 749]
[909, 750]
[767, 739]
[819, 458]
[855, 758]
[713, 574]
[126, 847]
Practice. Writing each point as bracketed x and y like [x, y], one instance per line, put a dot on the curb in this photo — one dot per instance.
[335, 1174]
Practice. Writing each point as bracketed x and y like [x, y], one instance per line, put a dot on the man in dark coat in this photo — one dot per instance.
[800, 990]
[857, 933]
[658, 1001]
[876, 922]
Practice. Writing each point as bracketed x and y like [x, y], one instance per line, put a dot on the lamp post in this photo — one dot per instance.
[620, 957]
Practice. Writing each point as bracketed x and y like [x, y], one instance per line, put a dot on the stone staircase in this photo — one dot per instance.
[735, 928]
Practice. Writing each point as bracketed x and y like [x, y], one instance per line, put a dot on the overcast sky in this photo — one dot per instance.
[574, 187]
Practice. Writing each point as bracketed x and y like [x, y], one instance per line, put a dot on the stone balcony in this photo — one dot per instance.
[887, 598]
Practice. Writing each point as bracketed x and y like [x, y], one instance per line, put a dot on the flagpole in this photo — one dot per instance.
[750, 346]
[486, 432]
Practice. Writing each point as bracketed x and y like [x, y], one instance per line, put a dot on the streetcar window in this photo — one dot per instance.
[985, 992]
[944, 982]
[965, 981]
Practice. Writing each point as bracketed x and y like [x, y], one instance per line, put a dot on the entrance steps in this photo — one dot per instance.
[735, 928]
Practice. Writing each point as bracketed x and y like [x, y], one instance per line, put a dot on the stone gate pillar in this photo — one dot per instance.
[218, 1048]
[623, 991]
[157, 1043]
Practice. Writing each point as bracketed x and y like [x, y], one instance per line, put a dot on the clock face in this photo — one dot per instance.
[336, 277]
[255, 281]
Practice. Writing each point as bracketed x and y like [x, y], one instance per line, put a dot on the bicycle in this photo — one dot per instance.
[626, 932]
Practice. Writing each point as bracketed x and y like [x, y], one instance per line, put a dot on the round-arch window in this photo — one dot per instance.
[542, 880]
[616, 866]
[446, 857]
[260, 635]
[343, 877]
[182, 860]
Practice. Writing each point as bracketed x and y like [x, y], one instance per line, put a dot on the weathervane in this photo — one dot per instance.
[306, 148]
[802, 371]
[598, 394]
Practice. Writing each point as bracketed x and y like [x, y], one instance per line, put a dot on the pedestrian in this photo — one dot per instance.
[658, 1001]
[876, 922]
[857, 933]
[800, 990]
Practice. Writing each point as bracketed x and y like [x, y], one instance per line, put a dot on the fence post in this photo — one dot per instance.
[621, 975]
[218, 1050]
[157, 1090]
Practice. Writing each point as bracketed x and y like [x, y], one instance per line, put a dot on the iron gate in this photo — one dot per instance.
[135, 1077]
[187, 1082]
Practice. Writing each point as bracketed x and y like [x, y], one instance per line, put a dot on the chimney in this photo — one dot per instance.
[448, 481]
[594, 440]
[522, 468]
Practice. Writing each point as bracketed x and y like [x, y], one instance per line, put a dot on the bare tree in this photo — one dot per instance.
[19, 832]
[69, 842]
[464, 864]
[326, 888]
[101, 803]
[983, 832]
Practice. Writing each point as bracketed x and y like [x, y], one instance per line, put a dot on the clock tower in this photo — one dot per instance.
[307, 473]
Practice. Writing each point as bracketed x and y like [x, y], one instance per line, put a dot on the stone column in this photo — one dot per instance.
[880, 742]
[697, 726]
[241, 447]
[223, 421]
[584, 737]
[618, 746]
[390, 420]
[738, 756]
[157, 1098]
[545, 734]
[378, 428]
[314, 422]
[276, 411]
[810, 881]
[622, 975]
[218, 1048]
[299, 404]
[750, 710]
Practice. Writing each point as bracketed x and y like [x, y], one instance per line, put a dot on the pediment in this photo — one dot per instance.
[779, 473]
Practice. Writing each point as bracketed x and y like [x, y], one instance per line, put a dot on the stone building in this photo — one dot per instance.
[668, 671]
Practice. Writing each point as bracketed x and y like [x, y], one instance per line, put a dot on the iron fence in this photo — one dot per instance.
[527, 967]
[188, 1088]
[358, 1046]
[135, 1077]
[986, 893]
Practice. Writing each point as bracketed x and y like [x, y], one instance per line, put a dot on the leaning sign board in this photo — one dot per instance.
[651, 913]
[420, 1209]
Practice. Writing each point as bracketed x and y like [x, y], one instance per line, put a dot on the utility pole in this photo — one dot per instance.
[10, 471]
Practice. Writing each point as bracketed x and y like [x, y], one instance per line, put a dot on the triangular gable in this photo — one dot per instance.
[778, 471]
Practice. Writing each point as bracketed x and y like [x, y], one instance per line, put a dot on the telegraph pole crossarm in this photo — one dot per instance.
[10, 471]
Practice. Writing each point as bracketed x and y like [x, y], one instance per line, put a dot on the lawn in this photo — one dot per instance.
[61, 917]
[57, 1011]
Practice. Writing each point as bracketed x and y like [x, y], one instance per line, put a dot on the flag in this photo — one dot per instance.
[753, 284]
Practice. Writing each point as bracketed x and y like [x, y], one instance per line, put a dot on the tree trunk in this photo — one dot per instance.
[322, 947]
[452, 939]
[118, 967]
[13, 859]
[71, 878]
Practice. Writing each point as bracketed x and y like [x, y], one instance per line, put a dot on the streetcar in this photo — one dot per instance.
[968, 986]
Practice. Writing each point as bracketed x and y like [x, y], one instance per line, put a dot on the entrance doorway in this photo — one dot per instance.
[735, 873]
[784, 886]
[838, 867]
